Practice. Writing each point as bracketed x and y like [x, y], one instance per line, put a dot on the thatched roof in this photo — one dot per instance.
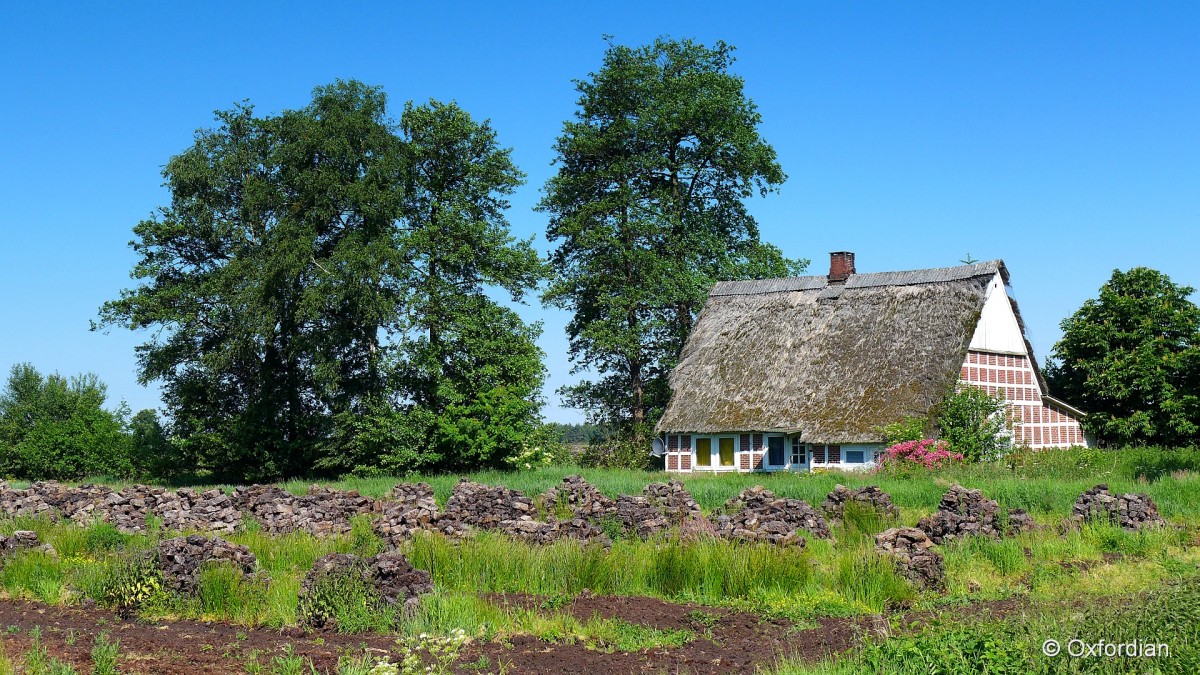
[833, 362]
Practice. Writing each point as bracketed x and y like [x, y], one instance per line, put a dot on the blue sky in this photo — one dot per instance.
[1061, 137]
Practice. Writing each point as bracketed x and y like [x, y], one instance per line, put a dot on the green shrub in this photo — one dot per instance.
[1152, 463]
[972, 422]
[967, 649]
[870, 580]
[33, 574]
[908, 429]
[133, 581]
[151, 453]
[346, 599]
[627, 449]
[101, 536]
[52, 427]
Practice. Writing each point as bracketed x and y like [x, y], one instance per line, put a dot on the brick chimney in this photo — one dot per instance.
[841, 266]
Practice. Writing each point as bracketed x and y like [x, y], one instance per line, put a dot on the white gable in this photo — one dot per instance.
[998, 330]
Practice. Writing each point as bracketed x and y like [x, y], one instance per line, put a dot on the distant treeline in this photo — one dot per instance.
[575, 433]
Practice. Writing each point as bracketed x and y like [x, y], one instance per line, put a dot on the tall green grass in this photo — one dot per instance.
[946, 644]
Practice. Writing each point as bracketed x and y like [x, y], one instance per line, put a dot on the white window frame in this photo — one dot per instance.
[787, 453]
[803, 452]
[715, 452]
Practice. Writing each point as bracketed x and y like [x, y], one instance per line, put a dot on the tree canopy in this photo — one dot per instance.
[53, 427]
[326, 268]
[647, 209]
[1131, 360]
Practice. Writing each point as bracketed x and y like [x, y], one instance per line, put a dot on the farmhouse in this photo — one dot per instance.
[801, 373]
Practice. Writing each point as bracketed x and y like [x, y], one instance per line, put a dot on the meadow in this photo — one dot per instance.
[1051, 581]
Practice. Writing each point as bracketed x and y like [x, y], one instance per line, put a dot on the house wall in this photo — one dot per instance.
[1035, 424]
[998, 363]
[751, 454]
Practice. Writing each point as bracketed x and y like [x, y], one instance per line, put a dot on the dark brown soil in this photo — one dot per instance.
[726, 642]
[169, 648]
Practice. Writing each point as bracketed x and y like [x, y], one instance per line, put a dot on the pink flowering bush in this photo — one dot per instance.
[927, 452]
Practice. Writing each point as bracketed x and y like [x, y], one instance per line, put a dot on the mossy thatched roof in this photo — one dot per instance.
[833, 362]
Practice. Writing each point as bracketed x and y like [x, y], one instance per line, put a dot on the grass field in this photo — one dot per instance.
[1097, 567]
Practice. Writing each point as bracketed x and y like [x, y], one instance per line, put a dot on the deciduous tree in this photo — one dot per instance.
[1131, 360]
[52, 427]
[301, 258]
[647, 209]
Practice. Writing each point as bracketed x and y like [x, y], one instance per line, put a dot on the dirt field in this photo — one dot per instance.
[732, 643]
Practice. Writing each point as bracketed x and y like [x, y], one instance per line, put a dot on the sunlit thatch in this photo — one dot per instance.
[831, 361]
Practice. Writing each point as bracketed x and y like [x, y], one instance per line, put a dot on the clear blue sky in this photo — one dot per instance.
[1061, 137]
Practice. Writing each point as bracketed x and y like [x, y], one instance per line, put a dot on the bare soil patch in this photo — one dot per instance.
[726, 642]
[171, 647]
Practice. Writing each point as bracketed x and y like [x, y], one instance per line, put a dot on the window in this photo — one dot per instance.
[854, 457]
[775, 451]
[703, 452]
[725, 447]
[799, 455]
[818, 454]
[835, 454]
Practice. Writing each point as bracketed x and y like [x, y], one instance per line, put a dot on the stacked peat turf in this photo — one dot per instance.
[127, 509]
[672, 500]
[1129, 511]
[756, 514]
[407, 508]
[485, 507]
[581, 497]
[870, 496]
[1019, 521]
[963, 513]
[181, 558]
[20, 539]
[912, 551]
[208, 511]
[273, 508]
[389, 576]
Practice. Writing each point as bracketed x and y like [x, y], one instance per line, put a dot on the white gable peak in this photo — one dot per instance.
[998, 330]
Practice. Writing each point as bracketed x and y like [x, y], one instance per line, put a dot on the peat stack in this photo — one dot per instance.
[1020, 521]
[273, 508]
[672, 500]
[408, 507]
[756, 514]
[912, 551]
[581, 497]
[1129, 511]
[963, 513]
[537, 532]
[485, 506]
[208, 511]
[870, 496]
[181, 558]
[389, 576]
[20, 539]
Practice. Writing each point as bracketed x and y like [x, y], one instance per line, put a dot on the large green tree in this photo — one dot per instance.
[1131, 360]
[647, 209]
[469, 373]
[52, 427]
[285, 275]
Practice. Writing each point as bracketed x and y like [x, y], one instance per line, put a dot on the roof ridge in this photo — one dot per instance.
[865, 280]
